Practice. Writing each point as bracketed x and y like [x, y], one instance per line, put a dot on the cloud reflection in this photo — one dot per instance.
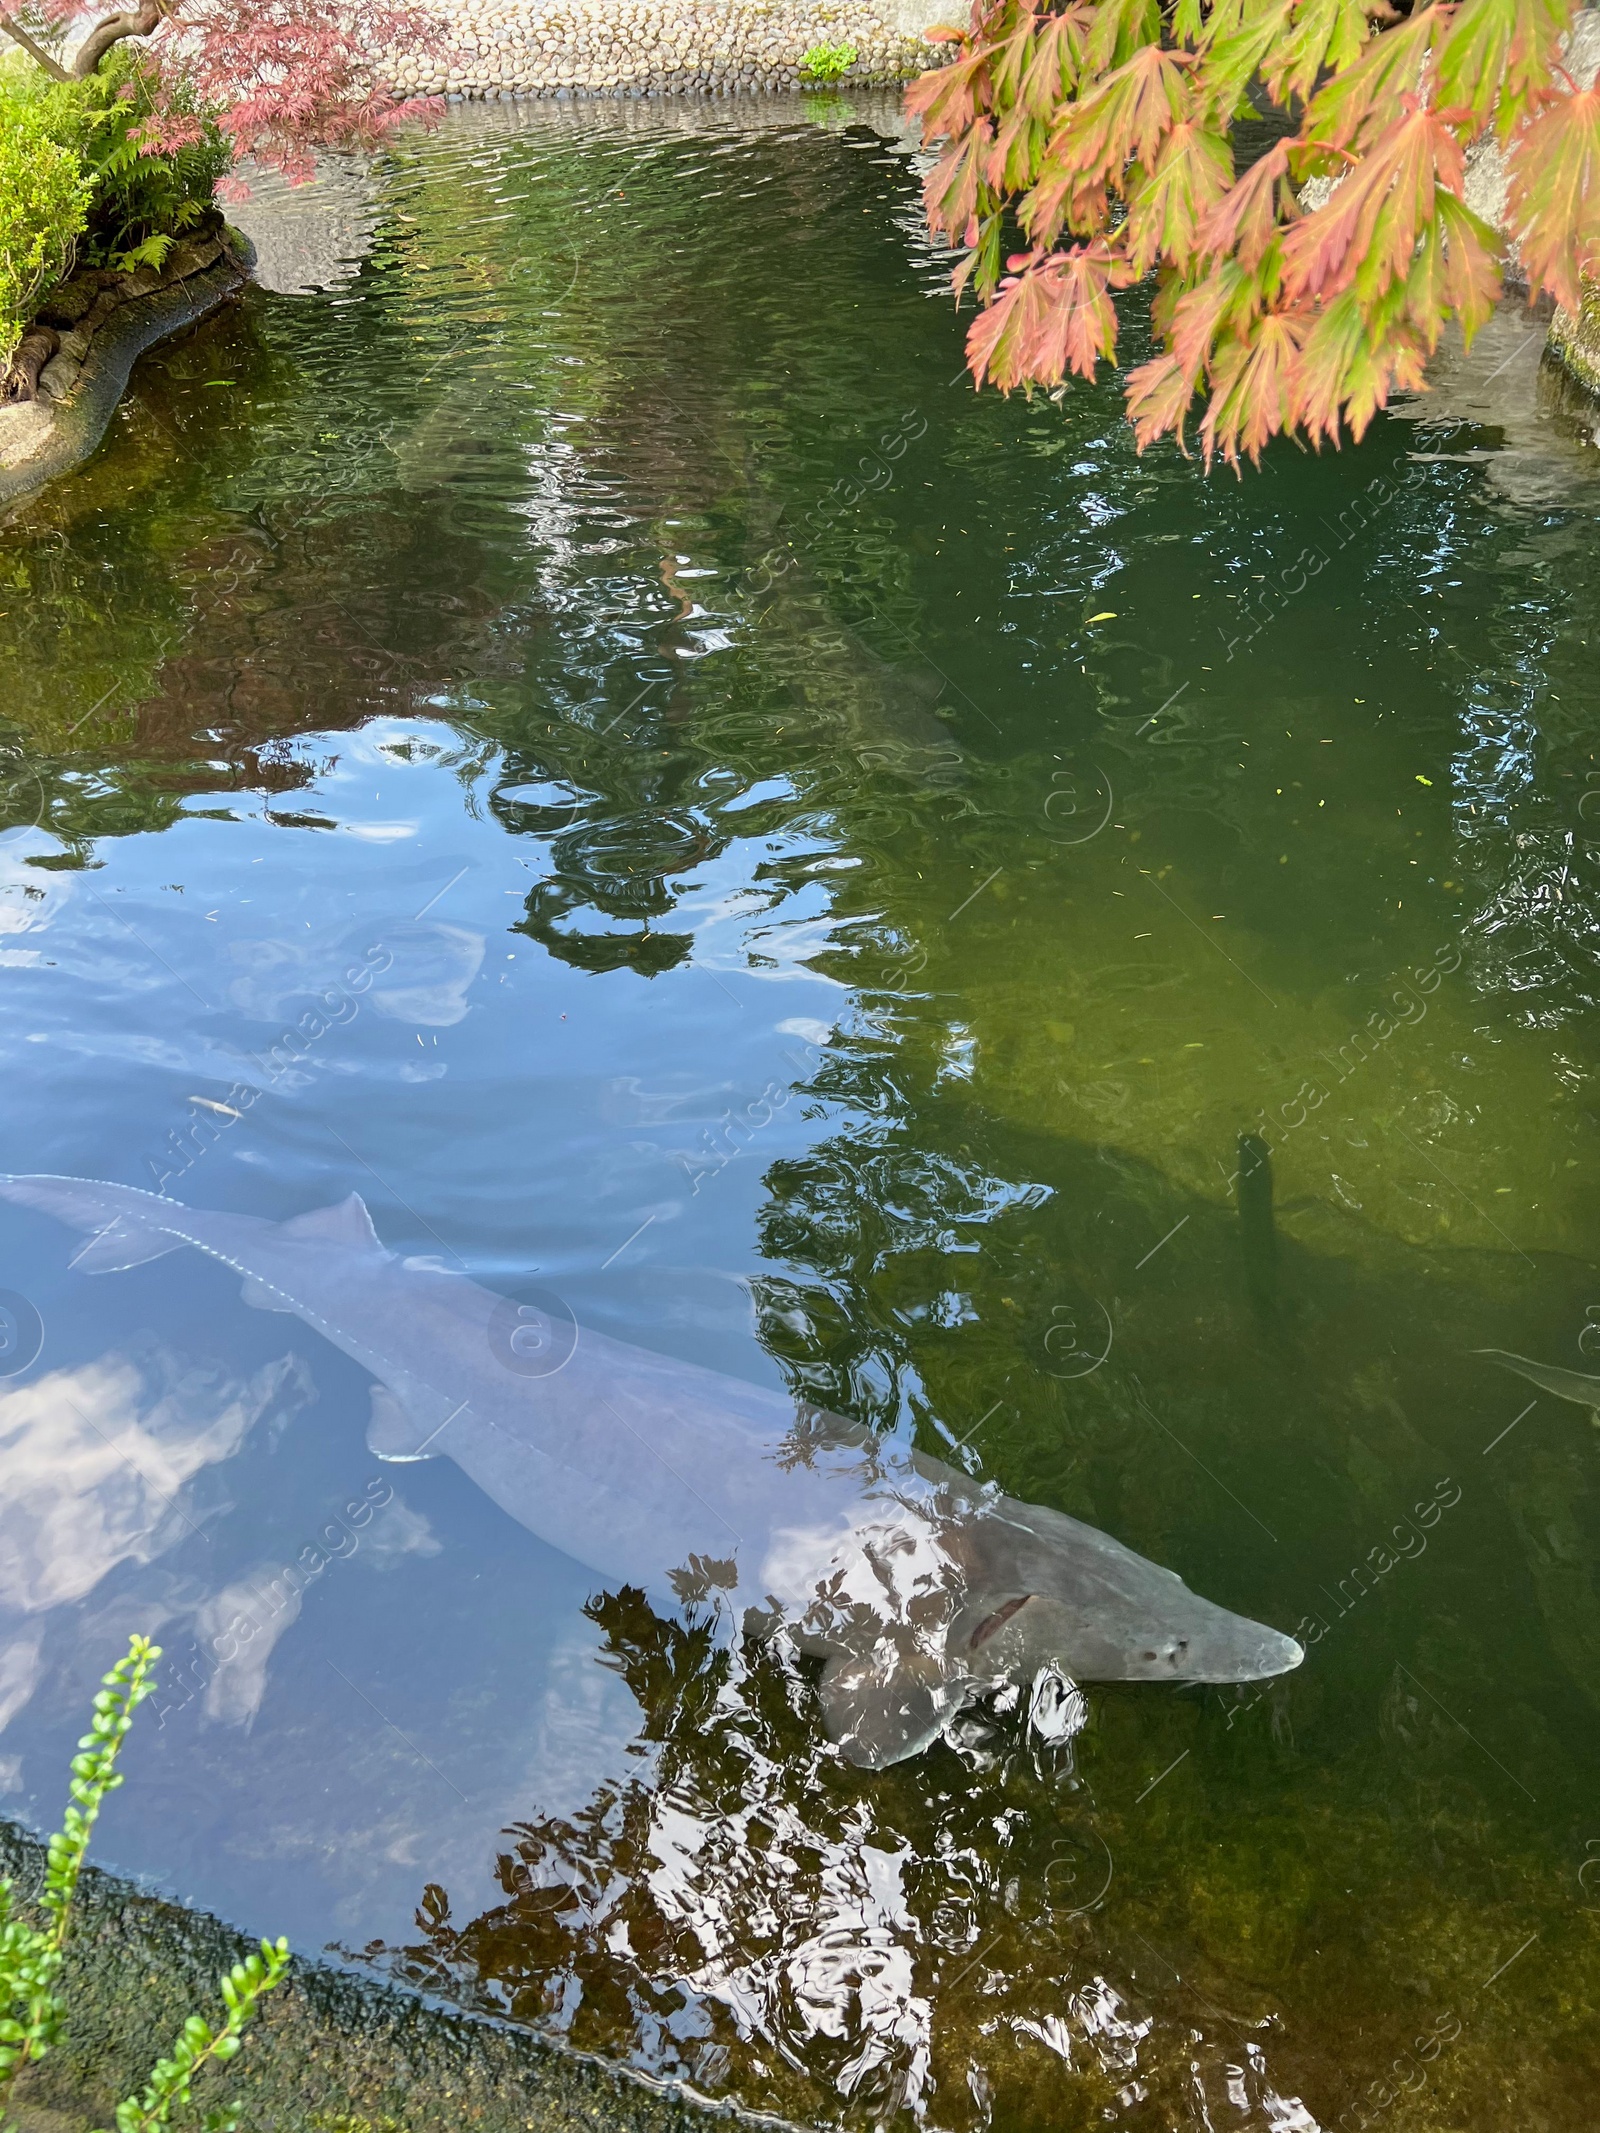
[94, 1461]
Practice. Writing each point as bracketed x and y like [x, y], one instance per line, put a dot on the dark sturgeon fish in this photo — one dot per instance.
[918, 1586]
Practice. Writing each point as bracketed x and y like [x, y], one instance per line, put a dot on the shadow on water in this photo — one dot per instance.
[1258, 1238]
[884, 892]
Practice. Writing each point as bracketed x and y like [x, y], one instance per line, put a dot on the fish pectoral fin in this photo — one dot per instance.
[124, 1243]
[406, 1429]
[1571, 1385]
[881, 1714]
[345, 1222]
[991, 1617]
[260, 1297]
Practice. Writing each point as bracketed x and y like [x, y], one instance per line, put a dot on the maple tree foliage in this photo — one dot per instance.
[281, 78]
[1100, 134]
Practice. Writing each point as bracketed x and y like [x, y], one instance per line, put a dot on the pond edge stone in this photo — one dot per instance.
[506, 51]
[81, 385]
[332, 2048]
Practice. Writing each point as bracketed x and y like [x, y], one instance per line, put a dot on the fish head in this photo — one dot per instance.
[1076, 1599]
[1203, 1642]
[1192, 1640]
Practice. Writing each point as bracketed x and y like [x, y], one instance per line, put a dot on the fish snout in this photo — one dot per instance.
[1274, 1654]
[1232, 1656]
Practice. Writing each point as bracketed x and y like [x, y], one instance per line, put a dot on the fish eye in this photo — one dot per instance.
[1149, 1655]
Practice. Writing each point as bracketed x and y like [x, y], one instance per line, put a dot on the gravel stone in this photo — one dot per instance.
[504, 49]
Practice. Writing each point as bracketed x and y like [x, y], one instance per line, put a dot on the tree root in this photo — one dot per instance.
[37, 346]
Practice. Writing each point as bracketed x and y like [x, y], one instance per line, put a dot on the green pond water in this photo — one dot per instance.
[845, 860]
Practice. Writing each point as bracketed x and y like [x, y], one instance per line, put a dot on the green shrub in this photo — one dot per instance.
[75, 183]
[44, 208]
[139, 202]
[827, 62]
[32, 2012]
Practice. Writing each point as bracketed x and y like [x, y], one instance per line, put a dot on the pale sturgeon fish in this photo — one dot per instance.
[1571, 1385]
[917, 1586]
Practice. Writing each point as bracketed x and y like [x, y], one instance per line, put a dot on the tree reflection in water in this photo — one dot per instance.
[745, 1912]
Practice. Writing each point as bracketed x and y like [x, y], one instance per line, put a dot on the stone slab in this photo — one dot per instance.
[41, 439]
[330, 2050]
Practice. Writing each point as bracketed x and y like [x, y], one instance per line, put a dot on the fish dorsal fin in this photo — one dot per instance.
[345, 1222]
[883, 1715]
[122, 1244]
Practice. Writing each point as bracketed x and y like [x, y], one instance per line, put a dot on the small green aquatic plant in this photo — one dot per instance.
[32, 2009]
[829, 62]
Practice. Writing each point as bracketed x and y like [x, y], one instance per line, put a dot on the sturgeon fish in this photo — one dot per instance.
[1573, 1385]
[918, 1587]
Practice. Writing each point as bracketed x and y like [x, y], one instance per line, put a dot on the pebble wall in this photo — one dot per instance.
[502, 49]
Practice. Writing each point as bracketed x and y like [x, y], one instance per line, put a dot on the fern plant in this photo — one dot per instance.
[144, 198]
[139, 196]
[32, 2008]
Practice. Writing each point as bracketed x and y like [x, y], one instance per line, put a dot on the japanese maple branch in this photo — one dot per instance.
[34, 50]
[134, 22]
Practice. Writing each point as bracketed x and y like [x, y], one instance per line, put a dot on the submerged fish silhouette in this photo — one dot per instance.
[917, 1586]
[1565, 1384]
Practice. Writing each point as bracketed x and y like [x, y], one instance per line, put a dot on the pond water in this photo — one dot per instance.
[588, 733]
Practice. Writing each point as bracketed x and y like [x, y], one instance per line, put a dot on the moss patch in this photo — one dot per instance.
[329, 2053]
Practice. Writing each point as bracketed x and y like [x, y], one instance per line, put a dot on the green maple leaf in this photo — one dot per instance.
[1057, 64]
[1120, 29]
[1456, 272]
[1192, 174]
[1245, 221]
[1499, 55]
[1367, 233]
[1019, 145]
[951, 190]
[1055, 316]
[1555, 194]
[1224, 305]
[1236, 46]
[1123, 119]
[1255, 389]
[948, 99]
[1349, 366]
[1354, 107]
[1159, 397]
[1326, 33]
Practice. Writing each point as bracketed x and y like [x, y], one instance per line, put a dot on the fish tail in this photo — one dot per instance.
[125, 1226]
